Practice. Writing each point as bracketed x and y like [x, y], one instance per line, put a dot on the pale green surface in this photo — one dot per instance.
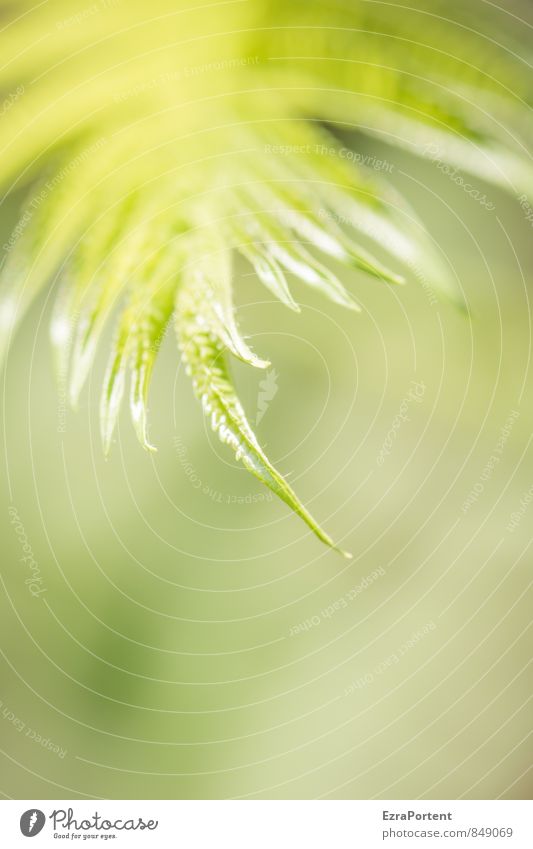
[147, 575]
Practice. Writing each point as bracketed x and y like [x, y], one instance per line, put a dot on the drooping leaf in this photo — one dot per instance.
[138, 338]
[209, 273]
[204, 358]
[267, 269]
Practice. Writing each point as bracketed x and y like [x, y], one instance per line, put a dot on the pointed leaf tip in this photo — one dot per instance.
[203, 355]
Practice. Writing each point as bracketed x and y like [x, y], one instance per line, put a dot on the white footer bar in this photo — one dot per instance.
[268, 824]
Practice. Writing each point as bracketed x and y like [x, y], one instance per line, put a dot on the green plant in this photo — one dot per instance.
[158, 142]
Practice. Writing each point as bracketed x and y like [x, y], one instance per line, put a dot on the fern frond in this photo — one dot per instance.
[159, 140]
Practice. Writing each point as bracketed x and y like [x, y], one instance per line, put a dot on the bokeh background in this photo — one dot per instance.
[192, 639]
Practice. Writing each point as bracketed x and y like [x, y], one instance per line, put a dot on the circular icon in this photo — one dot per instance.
[32, 822]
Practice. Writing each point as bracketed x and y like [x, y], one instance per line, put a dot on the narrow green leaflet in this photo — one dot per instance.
[115, 377]
[209, 273]
[284, 248]
[204, 358]
[81, 271]
[265, 266]
[139, 335]
[294, 203]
